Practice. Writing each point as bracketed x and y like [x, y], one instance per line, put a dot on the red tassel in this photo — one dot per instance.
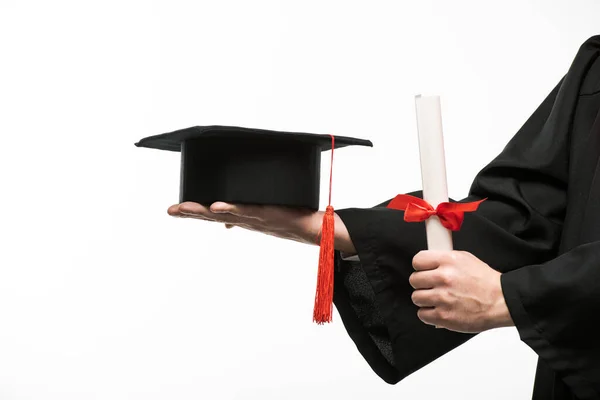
[324, 297]
[323, 309]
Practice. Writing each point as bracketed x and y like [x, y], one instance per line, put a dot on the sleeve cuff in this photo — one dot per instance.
[349, 257]
[532, 335]
[373, 296]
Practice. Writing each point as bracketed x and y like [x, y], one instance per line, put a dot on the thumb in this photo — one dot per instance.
[240, 210]
[221, 207]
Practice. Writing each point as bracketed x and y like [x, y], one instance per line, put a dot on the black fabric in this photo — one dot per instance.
[249, 166]
[540, 227]
[171, 141]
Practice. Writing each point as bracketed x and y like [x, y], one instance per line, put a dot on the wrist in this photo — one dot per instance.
[308, 230]
[312, 227]
[303, 227]
[500, 315]
[343, 242]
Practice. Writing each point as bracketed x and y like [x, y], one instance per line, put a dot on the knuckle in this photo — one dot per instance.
[411, 280]
[442, 315]
[446, 276]
[416, 258]
[444, 298]
[454, 256]
[415, 297]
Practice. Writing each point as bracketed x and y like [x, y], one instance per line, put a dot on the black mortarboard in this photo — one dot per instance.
[258, 166]
[249, 166]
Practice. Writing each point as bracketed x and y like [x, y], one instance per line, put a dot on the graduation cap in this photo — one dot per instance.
[261, 167]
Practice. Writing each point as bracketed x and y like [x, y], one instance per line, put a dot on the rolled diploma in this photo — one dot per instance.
[433, 167]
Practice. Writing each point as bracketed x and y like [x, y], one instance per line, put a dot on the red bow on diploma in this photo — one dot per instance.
[451, 215]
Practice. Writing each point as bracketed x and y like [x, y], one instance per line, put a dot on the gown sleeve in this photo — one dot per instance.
[517, 231]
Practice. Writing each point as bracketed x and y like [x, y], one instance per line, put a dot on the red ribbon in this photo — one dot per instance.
[451, 215]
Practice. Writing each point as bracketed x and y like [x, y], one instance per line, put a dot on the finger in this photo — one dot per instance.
[192, 208]
[427, 259]
[199, 211]
[425, 279]
[174, 210]
[425, 298]
[197, 216]
[240, 210]
[430, 316]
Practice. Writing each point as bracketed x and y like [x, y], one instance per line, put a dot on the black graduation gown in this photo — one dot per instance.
[540, 227]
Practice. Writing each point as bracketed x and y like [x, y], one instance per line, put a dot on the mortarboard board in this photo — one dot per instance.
[249, 166]
[258, 166]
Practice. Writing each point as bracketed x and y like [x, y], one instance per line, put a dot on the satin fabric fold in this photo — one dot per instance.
[415, 209]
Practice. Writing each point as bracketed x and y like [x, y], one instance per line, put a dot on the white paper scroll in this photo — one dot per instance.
[433, 167]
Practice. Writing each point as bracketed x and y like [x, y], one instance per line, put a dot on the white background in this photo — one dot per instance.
[104, 296]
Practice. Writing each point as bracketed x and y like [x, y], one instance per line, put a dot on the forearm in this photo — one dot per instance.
[309, 231]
